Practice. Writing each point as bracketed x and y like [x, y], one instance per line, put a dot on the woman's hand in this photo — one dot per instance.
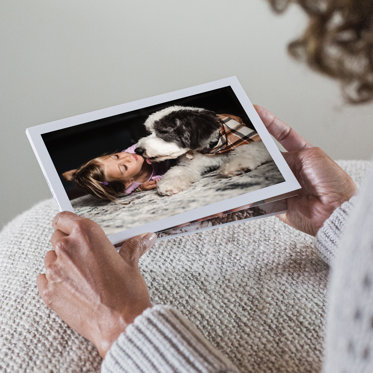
[93, 288]
[325, 186]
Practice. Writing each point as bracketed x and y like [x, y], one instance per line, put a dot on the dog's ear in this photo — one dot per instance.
[68, 175]
[188, 127]
[203, 125]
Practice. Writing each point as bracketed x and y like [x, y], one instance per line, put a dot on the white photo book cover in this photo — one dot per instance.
[174, 163]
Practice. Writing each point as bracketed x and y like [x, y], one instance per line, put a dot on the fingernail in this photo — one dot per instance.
[149, 239]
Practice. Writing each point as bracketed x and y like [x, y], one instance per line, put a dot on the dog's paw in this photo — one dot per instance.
[237, 167]
[227, 171]
[168, 187]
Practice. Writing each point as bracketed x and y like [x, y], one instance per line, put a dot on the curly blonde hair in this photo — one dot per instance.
[338, 41]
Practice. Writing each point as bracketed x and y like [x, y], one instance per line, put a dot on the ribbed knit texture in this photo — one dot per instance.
[329, 235]
[163, 340]
[255, 290]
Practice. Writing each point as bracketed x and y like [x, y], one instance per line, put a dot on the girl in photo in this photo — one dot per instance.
[114, 175]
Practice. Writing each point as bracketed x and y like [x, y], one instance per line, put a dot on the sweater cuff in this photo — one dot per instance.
[163, 340]
[328, 236]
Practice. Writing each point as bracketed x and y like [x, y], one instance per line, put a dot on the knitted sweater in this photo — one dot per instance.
[255, 290]
[162, 340]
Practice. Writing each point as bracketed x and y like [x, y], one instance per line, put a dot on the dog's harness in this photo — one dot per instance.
[233, 133]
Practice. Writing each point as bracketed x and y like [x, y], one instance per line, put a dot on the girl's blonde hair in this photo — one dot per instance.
[90, 177]
[338, 41]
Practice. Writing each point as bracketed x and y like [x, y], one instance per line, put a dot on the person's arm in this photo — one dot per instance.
[102, 295]
[349, 323]
[163, 340]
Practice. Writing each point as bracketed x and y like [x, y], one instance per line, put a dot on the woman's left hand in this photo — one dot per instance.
[325, 185]
[96, 290]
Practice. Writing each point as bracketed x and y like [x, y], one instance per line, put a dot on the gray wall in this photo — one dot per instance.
[61, 58]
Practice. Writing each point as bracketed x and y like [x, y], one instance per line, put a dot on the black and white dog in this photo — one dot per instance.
[193, 135]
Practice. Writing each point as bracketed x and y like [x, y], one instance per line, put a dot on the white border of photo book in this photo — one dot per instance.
[290, 184]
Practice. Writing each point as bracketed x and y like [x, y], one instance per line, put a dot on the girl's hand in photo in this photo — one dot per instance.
[96, 290]
[325, 185]
[148, 185]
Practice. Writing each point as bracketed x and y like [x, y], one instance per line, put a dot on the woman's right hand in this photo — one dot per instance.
[325, 185]
[97, 291]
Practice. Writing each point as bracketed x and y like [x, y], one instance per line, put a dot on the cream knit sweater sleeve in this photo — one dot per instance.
[329, 235]
[163, 340]
[349, 322]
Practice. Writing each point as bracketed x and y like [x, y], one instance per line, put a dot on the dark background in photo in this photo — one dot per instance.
[69, 148]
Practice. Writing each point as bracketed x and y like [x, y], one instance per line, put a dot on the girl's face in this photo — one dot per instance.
[121, 166]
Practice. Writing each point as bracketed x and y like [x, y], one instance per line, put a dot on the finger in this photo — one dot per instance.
[52, 270]
[281, 131]
[133, 248]
[42, 285]
[57, 236]
[65, 221]
[50, 258]
[294, 162]
[284, 218]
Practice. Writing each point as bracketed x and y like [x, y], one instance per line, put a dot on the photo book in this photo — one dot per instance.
[175, 163]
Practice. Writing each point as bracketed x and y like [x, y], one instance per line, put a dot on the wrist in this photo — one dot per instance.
[333, 209]
[107, 330]
[113, 325]
[349, 191]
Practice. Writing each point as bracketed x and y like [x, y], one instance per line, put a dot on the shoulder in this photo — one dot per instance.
[131, 149]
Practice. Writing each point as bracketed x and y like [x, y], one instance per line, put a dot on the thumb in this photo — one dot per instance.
[133, 248]
[294, 161]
